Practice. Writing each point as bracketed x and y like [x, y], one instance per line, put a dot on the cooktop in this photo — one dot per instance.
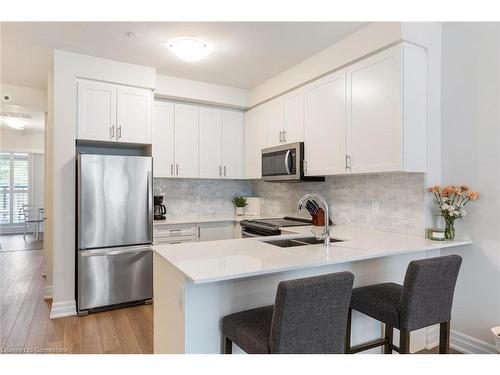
[281, 222]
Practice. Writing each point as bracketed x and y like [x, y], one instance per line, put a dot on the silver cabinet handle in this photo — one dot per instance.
[304, 165]
[287, 156]
[220, 171]
[348, 162]
[177, 169]
[171, 169]
[119, 132]
[112, 129]
[224, 171]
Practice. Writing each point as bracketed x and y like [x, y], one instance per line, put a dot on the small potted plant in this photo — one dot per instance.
[451, 201]
[240, 203]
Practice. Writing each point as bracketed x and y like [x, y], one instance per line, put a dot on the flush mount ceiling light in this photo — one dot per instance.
[188, 48]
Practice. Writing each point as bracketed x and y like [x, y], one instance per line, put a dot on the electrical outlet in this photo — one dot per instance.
[197, 200]
[375, 208]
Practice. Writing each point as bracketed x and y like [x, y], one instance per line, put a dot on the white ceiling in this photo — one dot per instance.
[245, 54]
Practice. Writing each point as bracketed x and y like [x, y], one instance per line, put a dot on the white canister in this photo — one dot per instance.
[240, 211]
[496, 334]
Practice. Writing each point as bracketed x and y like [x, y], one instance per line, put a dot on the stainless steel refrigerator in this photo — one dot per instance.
[115, 230]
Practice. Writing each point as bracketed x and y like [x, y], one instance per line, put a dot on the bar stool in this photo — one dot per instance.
[309, 316]
[424, 299]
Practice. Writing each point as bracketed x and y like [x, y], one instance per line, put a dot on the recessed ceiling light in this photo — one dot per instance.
[188, 48]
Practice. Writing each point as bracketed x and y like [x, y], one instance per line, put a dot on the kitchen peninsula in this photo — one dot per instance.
[196, 284]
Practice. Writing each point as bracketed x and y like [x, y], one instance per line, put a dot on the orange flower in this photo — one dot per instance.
[473, 196]
[447, 191]
[434, 189]
[464, 188]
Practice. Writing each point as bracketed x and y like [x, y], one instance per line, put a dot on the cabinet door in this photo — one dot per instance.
[293, 103]
[215, 231]
[374, 114]
[232, 144]
[255, 141]
[96, 111]
[134, 115]
[210, 143]
[324, 130]
[163, 139]
[275, 124]
[186, 140]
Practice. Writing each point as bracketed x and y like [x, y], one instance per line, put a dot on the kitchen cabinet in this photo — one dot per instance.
[255, 141]
[285, 119]
[387, 111]
[109, 112]
[210, 143]
[172, 234]
[215, 231]
[324, 131]
[221, 143]
[163, 149]
[186, 140]
[232, 135]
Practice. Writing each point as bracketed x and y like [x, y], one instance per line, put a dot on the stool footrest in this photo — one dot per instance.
[368, 345]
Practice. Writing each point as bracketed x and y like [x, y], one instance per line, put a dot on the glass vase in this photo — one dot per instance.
[449, 231]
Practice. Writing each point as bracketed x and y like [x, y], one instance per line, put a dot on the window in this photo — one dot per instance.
[14, 186]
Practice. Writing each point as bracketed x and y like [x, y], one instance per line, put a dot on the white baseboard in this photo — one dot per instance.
[48, 292]
[62, 309]
[470, 345]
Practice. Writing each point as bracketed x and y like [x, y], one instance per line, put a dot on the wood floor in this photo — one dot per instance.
[16, 242]
[25, 326]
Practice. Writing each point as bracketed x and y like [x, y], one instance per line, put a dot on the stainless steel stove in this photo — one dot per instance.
[269, 227]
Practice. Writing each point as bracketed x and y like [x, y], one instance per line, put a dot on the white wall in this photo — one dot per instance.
[17, 141]
[471, 156]
[24, 96]
[168, 87]
[67, 68]
[362, 42]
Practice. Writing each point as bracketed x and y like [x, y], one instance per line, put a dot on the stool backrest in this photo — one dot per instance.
[427, 295]
[310, 314]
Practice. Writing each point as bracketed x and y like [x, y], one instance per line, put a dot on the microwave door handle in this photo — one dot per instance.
[287, 157]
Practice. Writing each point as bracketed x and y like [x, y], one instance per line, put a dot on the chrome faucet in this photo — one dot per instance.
[325, 236]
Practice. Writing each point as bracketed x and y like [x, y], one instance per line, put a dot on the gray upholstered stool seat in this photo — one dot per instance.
[380, 301]
[309, 316]
[250, 329]
[424, 299]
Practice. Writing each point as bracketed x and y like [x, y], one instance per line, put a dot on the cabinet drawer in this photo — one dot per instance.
[170, 231]
[173, 240]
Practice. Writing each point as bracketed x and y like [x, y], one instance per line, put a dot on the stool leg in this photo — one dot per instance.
[348, 333]
[388, 337]
[444, 338]
[228, 346]
[404, 342]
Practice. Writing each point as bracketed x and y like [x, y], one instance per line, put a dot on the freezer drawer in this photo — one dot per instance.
[114, 276]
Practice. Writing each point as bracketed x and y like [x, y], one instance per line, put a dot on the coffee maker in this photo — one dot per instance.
[160, 210]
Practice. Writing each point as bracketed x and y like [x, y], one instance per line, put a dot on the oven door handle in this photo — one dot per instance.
[287, 156]
[248, 234]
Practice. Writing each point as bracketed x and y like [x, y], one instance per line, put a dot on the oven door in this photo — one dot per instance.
[282, 163]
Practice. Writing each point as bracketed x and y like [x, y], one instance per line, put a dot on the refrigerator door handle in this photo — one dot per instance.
[115, 251]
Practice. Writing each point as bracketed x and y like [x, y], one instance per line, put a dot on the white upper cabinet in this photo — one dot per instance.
[108, 112]
[324, 131]
[96, 111]
[134, 114]
[210, 143]
[293, 109]
[232, 144]
[386, 111]
[186, 140]
[255, 141]
[163, 139]
[275, 122]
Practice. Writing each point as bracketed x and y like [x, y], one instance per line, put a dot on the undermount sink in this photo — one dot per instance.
[293, 242]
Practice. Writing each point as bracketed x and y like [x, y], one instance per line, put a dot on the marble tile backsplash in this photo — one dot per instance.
[400, 198]
[200, 197]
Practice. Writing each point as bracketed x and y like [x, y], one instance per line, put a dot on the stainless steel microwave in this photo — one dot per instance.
[285, 163]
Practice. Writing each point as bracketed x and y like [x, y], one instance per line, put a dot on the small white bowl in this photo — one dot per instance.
[496, 334]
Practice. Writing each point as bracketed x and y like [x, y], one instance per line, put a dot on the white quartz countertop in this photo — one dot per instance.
[205, 219]
[211, 261]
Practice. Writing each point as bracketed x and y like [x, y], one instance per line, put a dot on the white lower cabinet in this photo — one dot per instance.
[182, 233]
[215, 231]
